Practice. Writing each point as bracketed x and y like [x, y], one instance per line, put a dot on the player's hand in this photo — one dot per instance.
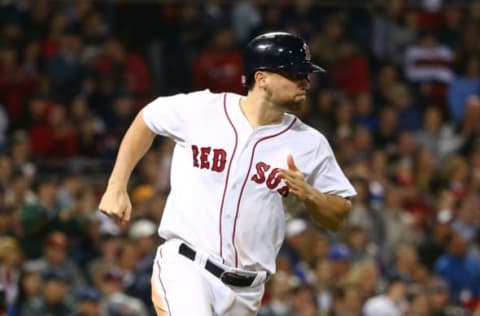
[116, 204]
[295, 180]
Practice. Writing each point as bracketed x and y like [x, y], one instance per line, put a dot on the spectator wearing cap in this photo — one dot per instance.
[340, 256]
[55, 256]
[439, 297]
[143, 234]
[54, 300]
[295, 246]
[87, 301]
[392, 303]
[109, 280]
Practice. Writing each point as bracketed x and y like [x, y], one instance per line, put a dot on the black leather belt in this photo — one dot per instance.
[230, 278]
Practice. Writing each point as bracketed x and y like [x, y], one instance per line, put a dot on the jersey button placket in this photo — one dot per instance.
[228, 224]
[238, 177]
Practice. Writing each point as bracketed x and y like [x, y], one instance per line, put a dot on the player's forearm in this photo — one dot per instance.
[134, 145]
[327, 211]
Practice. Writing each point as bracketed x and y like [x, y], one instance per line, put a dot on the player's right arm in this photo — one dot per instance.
[137, 140]
[167, 116]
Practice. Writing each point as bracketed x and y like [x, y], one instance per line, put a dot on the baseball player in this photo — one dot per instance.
[235, 160]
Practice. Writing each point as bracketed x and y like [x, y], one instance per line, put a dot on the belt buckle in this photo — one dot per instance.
[234, 279]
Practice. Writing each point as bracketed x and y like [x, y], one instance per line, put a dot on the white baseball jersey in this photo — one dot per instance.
[226, 194]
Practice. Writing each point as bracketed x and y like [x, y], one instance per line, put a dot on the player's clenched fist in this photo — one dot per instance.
[295, 180]
[116, 204]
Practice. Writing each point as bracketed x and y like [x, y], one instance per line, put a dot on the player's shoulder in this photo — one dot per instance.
[200, 96]
[309, 135]
[193, 96]
[213, 99]
[196, 102]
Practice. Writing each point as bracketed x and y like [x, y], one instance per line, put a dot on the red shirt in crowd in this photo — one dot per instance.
[351, 75]
[218, 71]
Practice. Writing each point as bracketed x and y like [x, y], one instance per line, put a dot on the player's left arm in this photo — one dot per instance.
[326, 210]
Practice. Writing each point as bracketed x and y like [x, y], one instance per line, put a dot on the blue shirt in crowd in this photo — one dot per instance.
[461, 273]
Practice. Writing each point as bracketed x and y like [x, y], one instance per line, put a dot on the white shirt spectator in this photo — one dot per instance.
[381, 305]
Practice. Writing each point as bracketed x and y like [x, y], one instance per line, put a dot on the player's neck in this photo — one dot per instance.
[260, 112]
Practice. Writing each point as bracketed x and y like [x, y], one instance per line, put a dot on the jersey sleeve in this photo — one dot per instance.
[327, 176]
[169, 116]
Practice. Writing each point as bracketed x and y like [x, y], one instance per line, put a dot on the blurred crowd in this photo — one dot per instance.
[399, 103]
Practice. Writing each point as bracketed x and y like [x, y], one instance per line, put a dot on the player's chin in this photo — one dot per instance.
[301, 97]
[299, 100]
[294, 106]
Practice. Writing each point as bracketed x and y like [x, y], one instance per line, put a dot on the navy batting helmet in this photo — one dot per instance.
[278, 51]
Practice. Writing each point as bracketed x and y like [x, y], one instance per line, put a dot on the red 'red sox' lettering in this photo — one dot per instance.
[273, 179]
[259, 177]
[202, 159]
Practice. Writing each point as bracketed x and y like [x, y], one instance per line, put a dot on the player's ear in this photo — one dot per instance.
[260, 79]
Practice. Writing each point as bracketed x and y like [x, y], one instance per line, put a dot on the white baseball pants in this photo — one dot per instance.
[182, 287]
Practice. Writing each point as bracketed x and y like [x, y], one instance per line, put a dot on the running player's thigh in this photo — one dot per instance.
[178, 287]
[247, 302]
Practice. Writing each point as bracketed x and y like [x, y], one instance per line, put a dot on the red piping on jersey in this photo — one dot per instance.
[245, 182]
[228, 171]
